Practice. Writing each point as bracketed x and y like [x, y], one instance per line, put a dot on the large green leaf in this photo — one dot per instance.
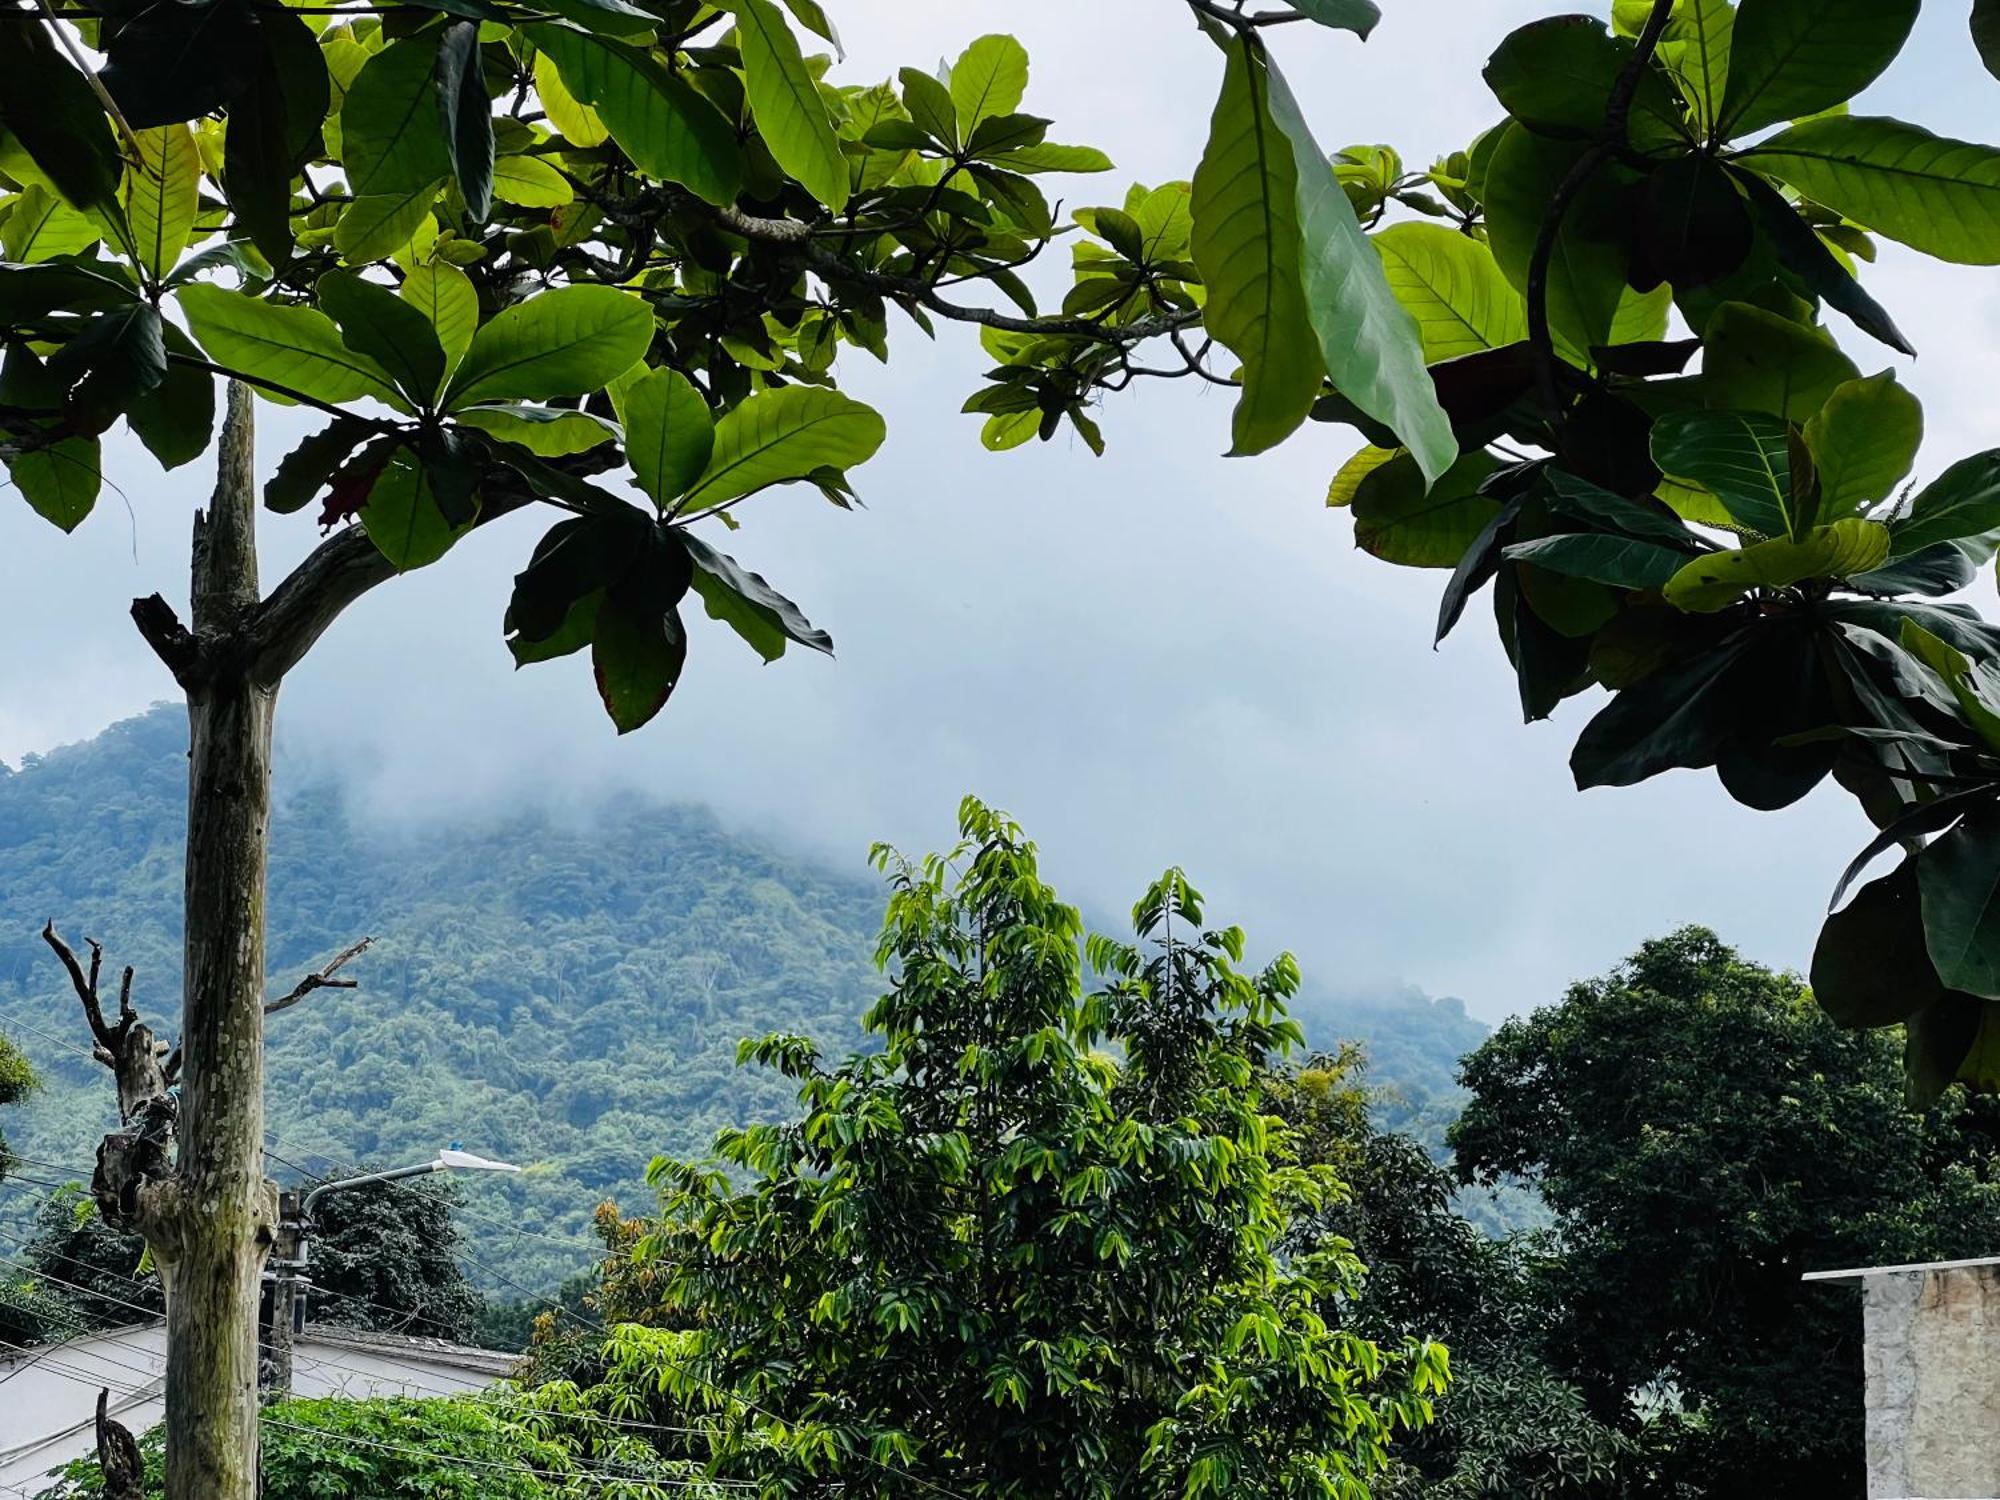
[1622, 562]
[579, 124]
[1680, 716]
[1247, 245]
[42, 226]
[781, 435]
[1932, 193]
[1589, 302]
[176, 418]
[60, 482]
[550, 431]
[276, 125]
[51, 110]
[294, 347]
[1793, 58]
[1963, 501]
[1401, 520]
[1986, 33]
[669, 434]
[1754, 360]
[785, 102]
[636, 655]
[1870, 966]
[1742, 458]
[1357, 16]
[1557, 75]
[376, 322]
[159, 195]
[748, 605]
[1975, 686]
[1958, 874]
[1802, 251]
[657, 118]
[467, 115]
[1368, 343]
[1717, 580]
[1695, 52]
[403, 519]
[119, 356]
[1646, 520]
[1863, 441]
[378, 224]
[444, 295]
[568, 342]
[1450, 283]
[988, 81]
[392, 139]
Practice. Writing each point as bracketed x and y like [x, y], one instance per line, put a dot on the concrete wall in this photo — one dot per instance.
[1933, 1370]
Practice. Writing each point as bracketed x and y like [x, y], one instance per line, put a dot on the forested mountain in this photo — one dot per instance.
[566, 994]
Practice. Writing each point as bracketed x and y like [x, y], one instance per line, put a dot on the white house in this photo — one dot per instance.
[48, 1396]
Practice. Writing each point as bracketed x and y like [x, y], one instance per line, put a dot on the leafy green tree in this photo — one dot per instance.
[1031, 1244]
[30, 1310]
[385, 1257]
[507, 248]
[1704, 1134]
[98, 1270]
[1512, 1424]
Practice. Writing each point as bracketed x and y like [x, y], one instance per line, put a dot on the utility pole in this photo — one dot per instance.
[282, 1309]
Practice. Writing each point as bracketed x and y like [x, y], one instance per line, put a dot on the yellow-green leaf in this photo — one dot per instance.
[444, 294]
[161, 193]
[530, 182]
[579, 123]
[1453, 287]
[1718, 579]
[785, 102]
[1348, 479]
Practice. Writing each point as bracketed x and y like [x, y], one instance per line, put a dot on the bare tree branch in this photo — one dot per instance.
[171, 641]
[320, 979]
[86, 989]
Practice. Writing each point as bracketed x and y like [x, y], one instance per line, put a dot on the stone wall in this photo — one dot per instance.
[1933, 1370]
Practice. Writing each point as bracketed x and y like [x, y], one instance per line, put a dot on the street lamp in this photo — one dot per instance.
[284, 1311]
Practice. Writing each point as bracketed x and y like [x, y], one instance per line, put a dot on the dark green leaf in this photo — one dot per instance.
[375, 322]
[744, 602]
[1986, 33]
[1963, 501]
[1806, 255]
[1557, 76]
[308, 468]
[403, 518]
[1743, 458]
[1754, 360]
[636, 656]
[51, 110]
[275, 126]
[1615, 560]
[169, 62]
[1647, 519]
[466, 116]
[1692, 226]
[1357, 16]
[176, 419]
[1680, 716]
[60, 483]
[1399, 519]
[1959, 875]
[119, 357]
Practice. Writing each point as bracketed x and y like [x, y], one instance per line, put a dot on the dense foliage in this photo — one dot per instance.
[1028, 1246]
[440, 1449]
[1703, 1134]
[562, 993]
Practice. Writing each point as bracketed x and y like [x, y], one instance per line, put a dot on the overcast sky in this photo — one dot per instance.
[1160, 656]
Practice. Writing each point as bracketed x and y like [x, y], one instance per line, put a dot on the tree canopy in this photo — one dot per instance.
[1703, 1134]
[1031, 1244]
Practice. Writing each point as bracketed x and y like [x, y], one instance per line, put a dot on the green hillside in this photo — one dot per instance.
[563, 994]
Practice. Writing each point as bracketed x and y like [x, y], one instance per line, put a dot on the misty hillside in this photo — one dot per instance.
[563, 994]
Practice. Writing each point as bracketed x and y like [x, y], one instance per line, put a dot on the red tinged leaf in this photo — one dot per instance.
[354, 481]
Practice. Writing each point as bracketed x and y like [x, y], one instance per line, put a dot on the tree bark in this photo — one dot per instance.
[213, 1230]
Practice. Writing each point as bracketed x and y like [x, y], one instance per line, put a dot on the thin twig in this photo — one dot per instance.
[96, 84]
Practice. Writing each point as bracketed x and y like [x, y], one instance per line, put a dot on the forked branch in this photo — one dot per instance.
[321, 979]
